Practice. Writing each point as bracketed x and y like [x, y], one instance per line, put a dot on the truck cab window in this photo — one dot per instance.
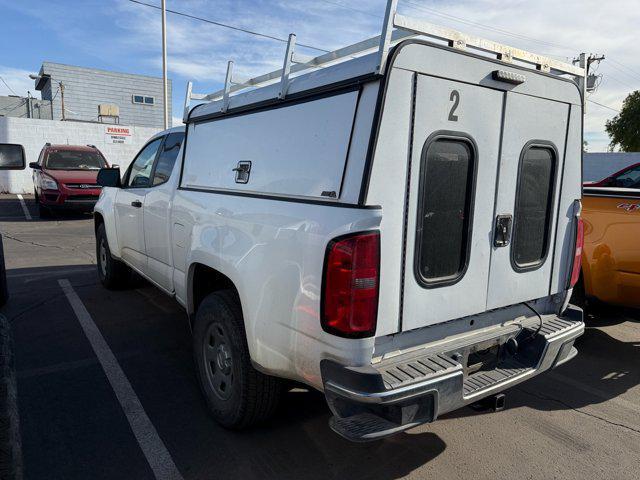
[446, 191]
[167, 158]
[533, 209]
[140, 173]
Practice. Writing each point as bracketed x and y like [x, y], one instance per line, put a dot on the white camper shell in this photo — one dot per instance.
[461, 156]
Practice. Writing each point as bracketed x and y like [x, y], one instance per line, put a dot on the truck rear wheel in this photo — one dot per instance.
[113, 274]
[237, 394]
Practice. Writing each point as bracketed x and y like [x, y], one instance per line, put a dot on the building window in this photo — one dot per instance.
[142, 100]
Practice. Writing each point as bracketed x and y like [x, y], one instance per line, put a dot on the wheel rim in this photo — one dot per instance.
[103, 258]
[218, 361]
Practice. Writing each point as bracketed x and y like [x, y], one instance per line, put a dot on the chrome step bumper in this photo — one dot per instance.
[407, 390]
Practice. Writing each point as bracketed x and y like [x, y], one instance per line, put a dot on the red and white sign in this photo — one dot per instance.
[117, 134]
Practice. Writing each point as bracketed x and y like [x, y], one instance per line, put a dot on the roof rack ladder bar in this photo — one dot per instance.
[227, 87]
[542, 63]
[187, 102]
[286, 67]
[385, 37]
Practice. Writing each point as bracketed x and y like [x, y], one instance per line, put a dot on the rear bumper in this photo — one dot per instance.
[414, 388]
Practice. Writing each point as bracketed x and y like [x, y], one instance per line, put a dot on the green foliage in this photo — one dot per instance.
[624, 128]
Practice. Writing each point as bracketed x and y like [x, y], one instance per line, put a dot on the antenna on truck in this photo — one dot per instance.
[395, 28]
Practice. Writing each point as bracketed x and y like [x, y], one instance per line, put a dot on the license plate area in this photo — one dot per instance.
[522, 347]
[482, 359]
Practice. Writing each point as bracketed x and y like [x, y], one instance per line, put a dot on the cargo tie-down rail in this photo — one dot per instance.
[395, 28]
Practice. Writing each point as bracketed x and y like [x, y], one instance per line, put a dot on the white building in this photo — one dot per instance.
[118, 143]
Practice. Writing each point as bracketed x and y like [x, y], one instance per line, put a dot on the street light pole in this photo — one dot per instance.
[164, 64]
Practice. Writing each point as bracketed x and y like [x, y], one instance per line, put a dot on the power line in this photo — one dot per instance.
[608, 76]
[603, 106]
[231, 27]
[625, 67]
[7, 85]
[485, 27]
[613, 65]
[347, 7]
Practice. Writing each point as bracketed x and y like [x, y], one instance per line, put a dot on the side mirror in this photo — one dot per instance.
[35, 166]
[109, 177]
[12, 156]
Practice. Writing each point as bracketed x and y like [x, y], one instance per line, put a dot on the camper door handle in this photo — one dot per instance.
[136, 203]
[502, 233]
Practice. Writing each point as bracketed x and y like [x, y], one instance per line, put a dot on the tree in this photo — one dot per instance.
[624, 128]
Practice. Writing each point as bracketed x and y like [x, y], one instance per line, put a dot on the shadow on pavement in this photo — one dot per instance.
[298, 443]
[11, 211]
[63, 387]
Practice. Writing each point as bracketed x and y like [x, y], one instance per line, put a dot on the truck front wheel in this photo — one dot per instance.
[113, 274]
[237, 394]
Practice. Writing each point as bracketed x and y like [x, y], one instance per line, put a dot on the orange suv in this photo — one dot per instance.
[611, 256]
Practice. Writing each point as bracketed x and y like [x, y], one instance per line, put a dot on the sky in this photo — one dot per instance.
[123, 36]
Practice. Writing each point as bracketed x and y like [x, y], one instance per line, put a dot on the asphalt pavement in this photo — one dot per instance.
[107, 390]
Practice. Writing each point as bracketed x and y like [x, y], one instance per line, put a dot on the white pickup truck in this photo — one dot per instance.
[398, 229]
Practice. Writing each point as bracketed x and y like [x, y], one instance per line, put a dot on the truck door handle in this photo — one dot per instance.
[136, 203]
[502, 233]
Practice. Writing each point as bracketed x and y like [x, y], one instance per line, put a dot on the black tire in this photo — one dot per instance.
[4, 291]
[44, 212]
[113, 274]
[10, 441]
[248, 396]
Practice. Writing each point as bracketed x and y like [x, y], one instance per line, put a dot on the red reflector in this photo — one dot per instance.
[350, 295]
[577, 259]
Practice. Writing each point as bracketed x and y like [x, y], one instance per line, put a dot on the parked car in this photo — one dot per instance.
[402, 239]
[628, 177]
[611, 256]
[12, 157]
[64, 177]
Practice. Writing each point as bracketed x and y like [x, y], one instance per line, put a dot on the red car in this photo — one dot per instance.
[64, 177]
[628, 177]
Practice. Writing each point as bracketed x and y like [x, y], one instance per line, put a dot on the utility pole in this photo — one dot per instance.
[164, 65]
[61, 85]
[588, 83]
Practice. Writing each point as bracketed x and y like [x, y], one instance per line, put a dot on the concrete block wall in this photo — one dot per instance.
[33, 134]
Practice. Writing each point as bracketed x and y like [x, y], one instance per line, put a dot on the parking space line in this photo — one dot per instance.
[27, 215]
[146, 434]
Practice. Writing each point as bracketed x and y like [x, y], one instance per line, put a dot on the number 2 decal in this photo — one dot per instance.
[455, 98]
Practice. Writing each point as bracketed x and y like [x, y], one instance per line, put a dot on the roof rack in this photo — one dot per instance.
[395, 28]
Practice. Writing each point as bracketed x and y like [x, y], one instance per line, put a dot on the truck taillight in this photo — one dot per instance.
[350, 289]
[577, 258]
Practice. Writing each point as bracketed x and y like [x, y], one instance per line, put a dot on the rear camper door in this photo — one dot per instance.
[452, 188]
[531, 168]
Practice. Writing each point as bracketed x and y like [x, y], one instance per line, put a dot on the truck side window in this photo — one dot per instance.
[167, 158]
[140, 173]
[444, 210]
[533, 209]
